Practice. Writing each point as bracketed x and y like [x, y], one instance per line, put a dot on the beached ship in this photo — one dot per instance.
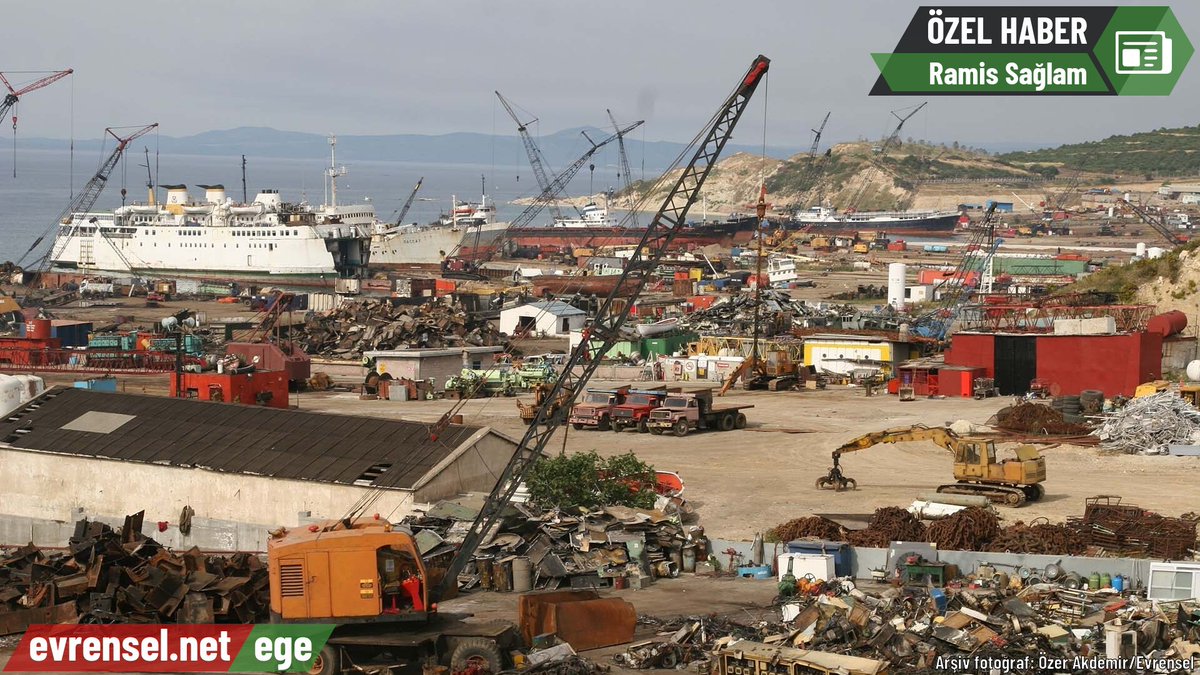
[468, 225]
[217, 237]
[822, 219]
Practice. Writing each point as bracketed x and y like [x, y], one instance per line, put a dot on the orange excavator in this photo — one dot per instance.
[977, 471]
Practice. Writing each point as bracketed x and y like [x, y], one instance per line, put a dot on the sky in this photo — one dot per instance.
[430, 67]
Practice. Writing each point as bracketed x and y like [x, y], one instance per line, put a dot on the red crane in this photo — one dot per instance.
[14, 96]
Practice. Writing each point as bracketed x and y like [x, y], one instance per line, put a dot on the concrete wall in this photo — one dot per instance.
[43, 488]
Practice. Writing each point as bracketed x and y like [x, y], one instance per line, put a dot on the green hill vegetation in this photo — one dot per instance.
[1149, 154]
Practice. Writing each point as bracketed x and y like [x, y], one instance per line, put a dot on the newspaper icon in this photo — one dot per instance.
[1143, 53]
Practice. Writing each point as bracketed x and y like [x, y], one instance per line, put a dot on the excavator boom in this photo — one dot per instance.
[976, 467]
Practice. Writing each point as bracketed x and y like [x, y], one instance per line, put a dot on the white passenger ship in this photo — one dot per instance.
[218, 237]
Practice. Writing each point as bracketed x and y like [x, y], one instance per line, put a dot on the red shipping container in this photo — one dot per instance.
[444, 287]
[701, 302]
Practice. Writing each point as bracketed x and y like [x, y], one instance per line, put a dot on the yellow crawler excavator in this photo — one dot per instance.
[976, 469]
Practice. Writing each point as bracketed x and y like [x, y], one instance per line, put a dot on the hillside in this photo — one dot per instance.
[1149, 154]
[849, 175]
[1169, 282]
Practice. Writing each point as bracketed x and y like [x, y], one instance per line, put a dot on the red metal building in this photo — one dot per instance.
[1115, 364]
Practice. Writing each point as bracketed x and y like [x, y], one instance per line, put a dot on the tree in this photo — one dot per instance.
[587, 480]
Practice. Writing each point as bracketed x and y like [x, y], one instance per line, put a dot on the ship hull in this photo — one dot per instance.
[729, 233]
[936, 225]
[427, 247]
[562, 284]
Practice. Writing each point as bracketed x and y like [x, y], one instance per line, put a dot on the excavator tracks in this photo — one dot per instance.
[1008, 495]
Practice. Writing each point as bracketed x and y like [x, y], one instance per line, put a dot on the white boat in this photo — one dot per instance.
[216, 237]
[591, 215]
[658, 327]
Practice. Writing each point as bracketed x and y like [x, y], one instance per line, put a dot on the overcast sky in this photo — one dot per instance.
[430, 66]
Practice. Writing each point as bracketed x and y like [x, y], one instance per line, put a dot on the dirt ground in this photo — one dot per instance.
[743, 482]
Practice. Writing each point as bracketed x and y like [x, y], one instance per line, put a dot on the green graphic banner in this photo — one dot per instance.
[1130, 51]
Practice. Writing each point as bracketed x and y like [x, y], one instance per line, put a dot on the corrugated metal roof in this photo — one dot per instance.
[292, 444]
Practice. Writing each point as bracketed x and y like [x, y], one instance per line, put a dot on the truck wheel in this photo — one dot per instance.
[727, 422]
[680, 428]
[328, 662]
[740, 422]
[604, 424]
[656, 431]
[618, 427]
[577, 426]
[642, 427]
[481, 653]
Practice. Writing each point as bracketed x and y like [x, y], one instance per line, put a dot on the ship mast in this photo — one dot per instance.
[333, 172]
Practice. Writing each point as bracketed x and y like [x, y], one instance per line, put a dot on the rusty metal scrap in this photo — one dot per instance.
[888, 524]
[812, 526]
[1040, 536]
[108, 576]
[1131, 531]
[1035, 418]
[371, 324]
[967, 530]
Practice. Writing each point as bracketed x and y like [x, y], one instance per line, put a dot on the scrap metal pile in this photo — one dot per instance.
[780, 314]
[1035, 418]
[1131, 531]
[577, 548]
[369, 324]
[108, 576]
[914, 629]
[1148, 425]
[1107, 527]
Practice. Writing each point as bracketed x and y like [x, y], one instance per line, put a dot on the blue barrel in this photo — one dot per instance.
[1118, 583]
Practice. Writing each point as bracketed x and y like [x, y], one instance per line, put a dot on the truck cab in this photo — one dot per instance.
[596, 408]
[635, 411]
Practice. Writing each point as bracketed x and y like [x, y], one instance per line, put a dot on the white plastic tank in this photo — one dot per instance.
[1141, 249]
[1193, 371]
[896, 274]
[11, 392]
[1155, 252]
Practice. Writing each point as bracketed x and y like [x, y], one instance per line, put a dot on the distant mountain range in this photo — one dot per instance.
[560, 148]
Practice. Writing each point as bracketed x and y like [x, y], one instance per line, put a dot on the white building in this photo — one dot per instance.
[554, 318]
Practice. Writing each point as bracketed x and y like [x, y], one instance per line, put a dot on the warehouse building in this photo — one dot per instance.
[554, 318]
[844, 354]
[239, 470]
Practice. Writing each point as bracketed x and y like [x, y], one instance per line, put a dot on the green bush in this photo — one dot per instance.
[588, 480]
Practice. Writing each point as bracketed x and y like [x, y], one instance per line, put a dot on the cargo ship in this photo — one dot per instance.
[469, 224]
[824, 220]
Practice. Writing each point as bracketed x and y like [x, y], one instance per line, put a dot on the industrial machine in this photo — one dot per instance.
[977, 471]
[368, 576]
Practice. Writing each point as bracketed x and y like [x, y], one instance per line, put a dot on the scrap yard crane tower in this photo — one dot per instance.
[536, 159]
[585, 358]
[13, 97]
[86, 198]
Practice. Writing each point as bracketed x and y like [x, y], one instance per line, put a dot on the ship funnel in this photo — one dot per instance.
[177, 196]
[214, 194]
